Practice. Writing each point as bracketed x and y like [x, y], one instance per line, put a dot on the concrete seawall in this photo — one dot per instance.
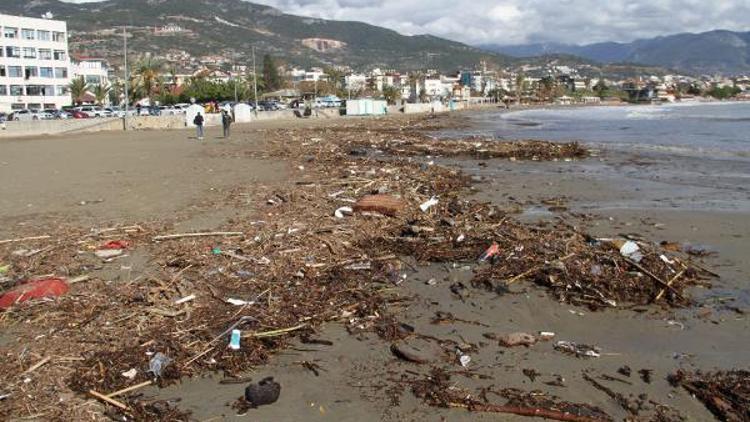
[58, 127]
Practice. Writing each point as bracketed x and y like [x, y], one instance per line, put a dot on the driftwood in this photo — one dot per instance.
[528, 411]
[184, 235]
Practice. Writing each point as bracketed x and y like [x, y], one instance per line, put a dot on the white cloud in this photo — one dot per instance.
[520, 21]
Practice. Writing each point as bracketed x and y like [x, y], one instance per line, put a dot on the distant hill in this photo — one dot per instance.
[232, 27]
[708, 52]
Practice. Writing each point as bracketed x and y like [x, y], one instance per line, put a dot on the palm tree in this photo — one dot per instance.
[100, 90]
[77, 89]
[147, 76]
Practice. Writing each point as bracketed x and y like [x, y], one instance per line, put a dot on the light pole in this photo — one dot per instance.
[125, 52]
[255, 84]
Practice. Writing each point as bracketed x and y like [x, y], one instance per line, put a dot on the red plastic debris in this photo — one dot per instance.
[50, 287]
[490, 252]
[115, 244]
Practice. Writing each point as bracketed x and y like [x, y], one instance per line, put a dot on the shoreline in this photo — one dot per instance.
[524, 307]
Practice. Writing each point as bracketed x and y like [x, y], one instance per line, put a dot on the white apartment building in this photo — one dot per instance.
[94, 71]
[34, 63]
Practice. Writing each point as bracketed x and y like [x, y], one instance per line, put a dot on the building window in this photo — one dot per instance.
[50, 106]
[48, 90]
[34, 90]
[29, 53]
[34, 106]
[13, 52]
[93, 79]
[58, 36]
[62, 91]
[3, 90]
[2, 52]
[46, 72]
[61, 72]
[31, 72]
[45, 54]
[2, 71]
[60, 55]
[16, 90]
[44, 35]
[28, 34]
[10, 32]
[15, 71]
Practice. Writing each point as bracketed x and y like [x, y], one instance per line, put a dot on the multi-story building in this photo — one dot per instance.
[34, 63]
[93, 71]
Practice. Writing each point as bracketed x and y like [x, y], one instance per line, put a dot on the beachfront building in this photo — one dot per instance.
[34, 63]
[94, 71]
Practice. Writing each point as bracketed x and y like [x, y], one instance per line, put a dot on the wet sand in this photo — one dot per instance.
[358, 371]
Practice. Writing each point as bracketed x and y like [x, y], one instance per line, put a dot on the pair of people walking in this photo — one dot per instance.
[226, 122]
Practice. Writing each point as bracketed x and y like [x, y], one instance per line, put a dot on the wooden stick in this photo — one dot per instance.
[206, 234]
[661, 293]
[129, 389]
[37, 365]
[104, 398]
[276, 333]
[23, 239]
[525, 273]
[527, 411]
[657, 279]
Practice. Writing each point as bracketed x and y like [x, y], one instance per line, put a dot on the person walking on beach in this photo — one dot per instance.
[198, 122]
[226, 121]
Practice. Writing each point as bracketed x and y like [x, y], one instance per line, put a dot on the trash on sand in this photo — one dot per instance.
[4, 269]
[50, 287]
[546, 335]
[428, 204]
[666, 260]
[384, 204]
[359, 266]
[517, 339]
[631, 250]
[234, 341]
[115, 244]
[580, 350]
[108, 253]
[239, 302]
[460, 238]
[465, 360]
[184, 299]
[130, 374]
[493, 250]
[265, 392]
[343, 211]
[157, 363]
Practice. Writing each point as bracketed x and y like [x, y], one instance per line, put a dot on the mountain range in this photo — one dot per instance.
[232, 27]
[704, 53]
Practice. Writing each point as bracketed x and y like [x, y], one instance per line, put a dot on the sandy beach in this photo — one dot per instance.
[167, 182]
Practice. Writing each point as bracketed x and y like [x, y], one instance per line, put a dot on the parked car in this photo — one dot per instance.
[168, 110]
[114, 111]
[57, 114]
[77, 114]
[29, 115]
[89, 111]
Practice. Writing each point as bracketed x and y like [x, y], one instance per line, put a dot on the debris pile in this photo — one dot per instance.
[725, 393]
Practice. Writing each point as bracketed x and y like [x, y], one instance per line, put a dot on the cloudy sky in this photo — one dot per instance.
[523, 21]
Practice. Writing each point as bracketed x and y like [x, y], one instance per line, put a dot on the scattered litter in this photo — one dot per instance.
[115, 244]
[185, 299]
[108, 253]
[4, 269]
[493, 250]
[465, 360]
[266, 392]
[428, 204]
[239, 302]
[579, 350]
[343, 211]
[158, 363]
[234, 341]
[38, 289]
[130, 374]
[546, 335]
[631, 250]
